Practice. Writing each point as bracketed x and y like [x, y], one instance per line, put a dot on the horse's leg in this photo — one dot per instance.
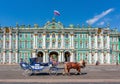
[65, 69]
[78, 69]
[68, 71]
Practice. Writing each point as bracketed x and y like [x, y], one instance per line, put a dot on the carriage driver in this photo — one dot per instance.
[53, 61]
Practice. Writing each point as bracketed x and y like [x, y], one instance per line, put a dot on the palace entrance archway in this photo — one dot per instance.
[67, 56]
[54, 55]
[40, 56]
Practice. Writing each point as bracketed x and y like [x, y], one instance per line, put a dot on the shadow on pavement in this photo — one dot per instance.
[58, 74]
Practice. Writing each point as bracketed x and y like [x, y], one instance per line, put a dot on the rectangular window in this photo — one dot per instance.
[26, 35]
[26, 44]
[20, 35]
[31, 35]
[47, 44]
[59, 44]
[31, 44]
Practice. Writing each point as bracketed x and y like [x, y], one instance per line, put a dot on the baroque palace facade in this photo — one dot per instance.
[63, 43]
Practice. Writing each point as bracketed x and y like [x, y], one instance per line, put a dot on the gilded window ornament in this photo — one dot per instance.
[7, 30]
[53, 40]
[99, 31]
[53, 27]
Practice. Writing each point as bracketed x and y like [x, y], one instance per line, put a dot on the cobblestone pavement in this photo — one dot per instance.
[90, 72]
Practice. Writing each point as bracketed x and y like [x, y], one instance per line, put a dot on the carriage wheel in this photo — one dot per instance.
[53, 71]
[28, 72]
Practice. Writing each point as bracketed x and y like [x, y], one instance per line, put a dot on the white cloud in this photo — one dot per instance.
[101, 23]
[97, 17]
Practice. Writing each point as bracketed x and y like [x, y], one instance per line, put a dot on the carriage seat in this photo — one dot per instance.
[44, 64]
[37, 66]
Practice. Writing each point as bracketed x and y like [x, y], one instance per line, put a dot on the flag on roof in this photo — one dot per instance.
[57, 13]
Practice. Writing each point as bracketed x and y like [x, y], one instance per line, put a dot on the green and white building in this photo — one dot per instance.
[72, 43]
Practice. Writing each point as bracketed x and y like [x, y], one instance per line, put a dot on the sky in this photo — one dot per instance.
[97, 13]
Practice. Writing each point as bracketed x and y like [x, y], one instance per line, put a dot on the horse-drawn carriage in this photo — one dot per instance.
[33, 67]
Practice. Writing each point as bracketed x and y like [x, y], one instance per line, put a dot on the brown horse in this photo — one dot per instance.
[74, 65]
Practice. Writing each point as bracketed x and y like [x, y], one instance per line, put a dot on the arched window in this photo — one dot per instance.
[48, 35]
[75, 35]
[53, 35]
[39, 35]
[59, 36]
[20, 35]
[66, 35]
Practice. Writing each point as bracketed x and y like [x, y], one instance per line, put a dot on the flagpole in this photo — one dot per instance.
[53, 15]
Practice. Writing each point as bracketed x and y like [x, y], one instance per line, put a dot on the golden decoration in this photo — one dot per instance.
[7, 30]
[35, 34]
[53, 27]
[71, 34]
[99, 31]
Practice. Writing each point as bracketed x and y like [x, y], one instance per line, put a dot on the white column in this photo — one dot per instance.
[34, 54]
[108, 58]
[10, 47]
[10, 40]
[3, 57]
[72, 40]
[96, 57]
[62, 56]
[101, 58]
[34, 41]
[4, 47]
[44, 39]
[50, 41]
[47, 57]
[72, 59]
[4, 40]
[10, 57]
[96, 41]
[34, 45]
[108, 42]
[16, 41]
[16, 57]
[59, 57]
[101, 37]
[89, 42]
[44, 57]
[62, 43]
[56, 45]
[90, 58]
